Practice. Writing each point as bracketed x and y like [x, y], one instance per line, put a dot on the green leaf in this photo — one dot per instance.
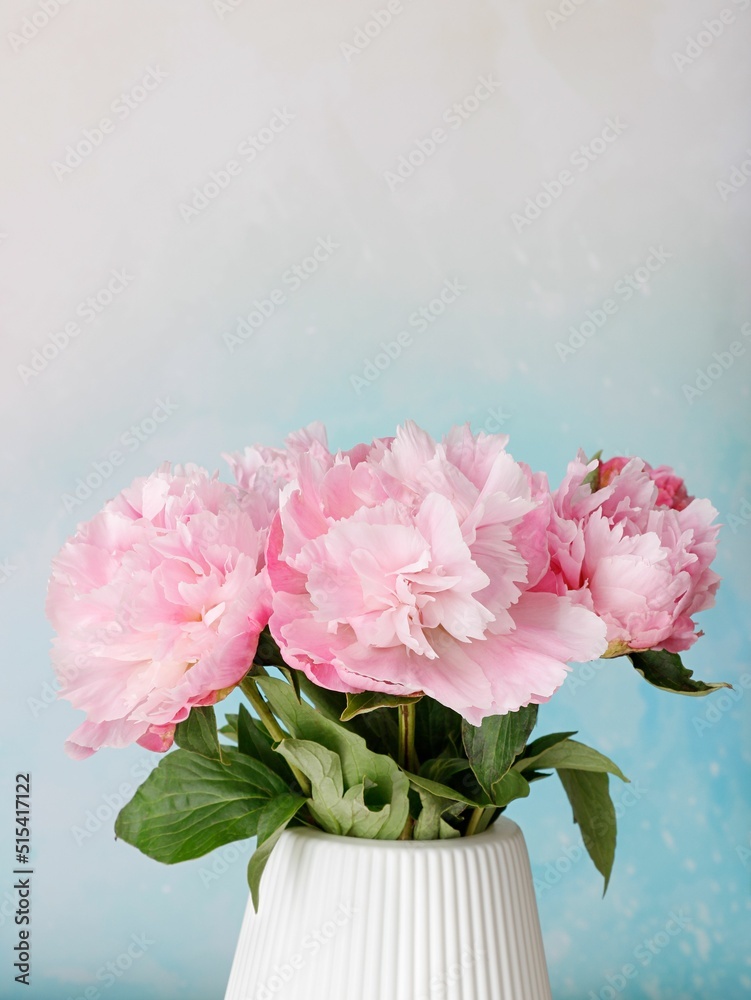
[456, 774]
[444, 769]
[489, 816]
[589, 795]
[369, 701]
[438, 730]
[293, 678]
[375, 808]
[511, 786]
[431, 824]
[390, 787]
[593, 478]
[446, 792]
[324, 770]
[531, 776]
[572, 755]
[268, 653]
[305, 723]
[536, 747]
[272, 822]
[198, 734]
[492, 746]
[229, 729]
[254, 740]
[665, 670]
[190, 805]
[330, 704]
[379, 729]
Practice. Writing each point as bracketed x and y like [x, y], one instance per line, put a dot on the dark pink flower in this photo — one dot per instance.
[637, 551]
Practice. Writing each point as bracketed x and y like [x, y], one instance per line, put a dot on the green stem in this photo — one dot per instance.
[407, 754]
[249, 689]
[275, 731]
[474, 821]
[409, 826]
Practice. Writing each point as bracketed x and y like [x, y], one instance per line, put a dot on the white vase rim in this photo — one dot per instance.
[502, 829]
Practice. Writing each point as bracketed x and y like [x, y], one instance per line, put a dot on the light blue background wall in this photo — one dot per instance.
[491, 358]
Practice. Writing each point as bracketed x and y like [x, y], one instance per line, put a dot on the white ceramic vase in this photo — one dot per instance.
[348, 919]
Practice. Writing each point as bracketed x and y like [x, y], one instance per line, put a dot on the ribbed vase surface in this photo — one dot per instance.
[348, 919]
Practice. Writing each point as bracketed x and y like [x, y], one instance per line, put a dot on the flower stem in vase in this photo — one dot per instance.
[407, 755]
[275, 731]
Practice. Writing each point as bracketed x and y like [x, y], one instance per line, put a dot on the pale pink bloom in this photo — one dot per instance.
[406, 568]
[637, 550]
[158, 602]
[264, 472]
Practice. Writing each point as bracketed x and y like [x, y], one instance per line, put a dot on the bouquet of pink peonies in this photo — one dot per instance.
[394, 614]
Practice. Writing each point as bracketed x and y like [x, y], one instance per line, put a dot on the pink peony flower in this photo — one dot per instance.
[264, 472]
[637, 551]
[158, 602]
[671, 489]
[406, 567]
